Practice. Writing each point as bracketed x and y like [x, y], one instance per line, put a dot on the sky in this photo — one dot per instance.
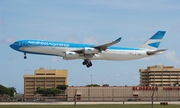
[86, 21]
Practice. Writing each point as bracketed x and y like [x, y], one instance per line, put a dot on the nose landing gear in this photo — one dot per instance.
[25, 57]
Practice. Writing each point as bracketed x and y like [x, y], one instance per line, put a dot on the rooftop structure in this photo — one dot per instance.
[44, 79]
[159, 75]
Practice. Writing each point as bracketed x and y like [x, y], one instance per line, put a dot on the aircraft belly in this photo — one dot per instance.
[120, 55]
[116, 56]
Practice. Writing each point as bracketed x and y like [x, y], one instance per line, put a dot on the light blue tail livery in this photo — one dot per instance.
[154, 42]
[158, 35]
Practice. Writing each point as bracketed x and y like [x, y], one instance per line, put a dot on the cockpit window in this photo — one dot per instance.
[15, 42]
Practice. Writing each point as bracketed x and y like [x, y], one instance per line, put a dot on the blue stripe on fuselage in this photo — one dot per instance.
[31, 43]
[122, 48]
[55, 44]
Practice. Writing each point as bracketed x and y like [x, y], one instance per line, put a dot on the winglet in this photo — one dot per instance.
[118, 40]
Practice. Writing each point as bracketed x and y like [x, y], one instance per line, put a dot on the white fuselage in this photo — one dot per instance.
[108, 54]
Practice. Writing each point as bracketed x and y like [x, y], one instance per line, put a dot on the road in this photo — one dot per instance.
[79, 103]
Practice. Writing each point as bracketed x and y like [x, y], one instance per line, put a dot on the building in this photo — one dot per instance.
[159, 75]
[124, 93]
[158, 80]
[44, 79]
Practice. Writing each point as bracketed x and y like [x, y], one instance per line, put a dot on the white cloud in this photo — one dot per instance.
[150, 58]
[175, 29]
[1, 22]
[136, 5]
[10, 40]
[90, 40]
[42, 38]
[76, 39]
[7, 40]
[55, 59]
[28, 69]
[72, 38]
[171, 55]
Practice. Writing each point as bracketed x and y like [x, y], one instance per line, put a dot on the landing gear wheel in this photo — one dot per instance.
[89, 65]
[85, 62]
[25, 57]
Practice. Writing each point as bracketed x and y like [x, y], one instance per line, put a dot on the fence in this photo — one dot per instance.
[109, 94]
[87, 99]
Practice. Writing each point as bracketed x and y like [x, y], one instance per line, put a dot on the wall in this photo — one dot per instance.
[122, 93]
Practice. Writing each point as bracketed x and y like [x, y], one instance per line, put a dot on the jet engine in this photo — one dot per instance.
[88, 50]
[71, 54]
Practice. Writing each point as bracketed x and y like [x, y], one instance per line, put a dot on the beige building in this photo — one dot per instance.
[44, 79]
[124, 93]
[159, 75]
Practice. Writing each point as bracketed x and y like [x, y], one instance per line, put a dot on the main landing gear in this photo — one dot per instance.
[25, 57]
[87, 63]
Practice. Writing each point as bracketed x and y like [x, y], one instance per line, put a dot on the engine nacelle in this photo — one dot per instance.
[71, 54]
[88, 50]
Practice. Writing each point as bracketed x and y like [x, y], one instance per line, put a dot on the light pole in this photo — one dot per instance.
[152, 99]
[91, 79]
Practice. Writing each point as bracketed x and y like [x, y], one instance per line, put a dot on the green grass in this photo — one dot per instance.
[88, 106]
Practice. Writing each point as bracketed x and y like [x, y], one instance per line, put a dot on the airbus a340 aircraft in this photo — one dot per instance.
[88, 52]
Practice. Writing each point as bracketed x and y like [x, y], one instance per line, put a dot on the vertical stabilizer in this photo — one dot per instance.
[154, 42]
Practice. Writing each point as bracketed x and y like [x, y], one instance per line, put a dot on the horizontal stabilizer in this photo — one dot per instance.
[155, 52]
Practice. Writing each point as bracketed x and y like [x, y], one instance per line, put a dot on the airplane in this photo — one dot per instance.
[88, 52]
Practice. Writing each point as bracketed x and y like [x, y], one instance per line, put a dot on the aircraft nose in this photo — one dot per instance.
[12, 46]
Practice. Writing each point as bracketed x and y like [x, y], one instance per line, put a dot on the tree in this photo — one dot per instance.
[11, 91]
[93, 85]
[105, 85]
[7, 91]
[3, 90]
[48, 91]
[62, 87]
[176, 84]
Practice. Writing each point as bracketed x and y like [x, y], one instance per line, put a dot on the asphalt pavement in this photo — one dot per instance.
[78, 103]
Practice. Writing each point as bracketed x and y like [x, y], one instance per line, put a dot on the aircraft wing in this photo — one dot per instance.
[105, 46]
[100, 47]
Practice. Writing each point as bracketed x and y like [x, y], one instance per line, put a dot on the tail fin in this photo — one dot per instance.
[154, 42]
